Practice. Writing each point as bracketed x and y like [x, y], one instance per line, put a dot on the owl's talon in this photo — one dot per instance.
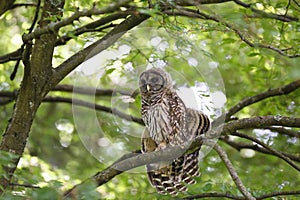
[161, 146]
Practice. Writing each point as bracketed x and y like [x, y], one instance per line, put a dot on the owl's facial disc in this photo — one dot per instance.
[151, 82]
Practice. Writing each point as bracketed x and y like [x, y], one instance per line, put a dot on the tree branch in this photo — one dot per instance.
[214, 195]
[273, 151]
[69, 65]
[78, 102]
[198, 2]
[134, 160]
[15, 55]
[233, 173]
[67, 21]
[284, 131]
[201, 15]
[230, 196]
[259, 122]
[284, 18]
[241, 145]
[275, 194]
[92, 26]
[284, 90]
[89, 90]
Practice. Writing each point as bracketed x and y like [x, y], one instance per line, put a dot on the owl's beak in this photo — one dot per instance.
[148, 87]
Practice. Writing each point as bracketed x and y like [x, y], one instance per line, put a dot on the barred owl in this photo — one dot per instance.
[169, 123]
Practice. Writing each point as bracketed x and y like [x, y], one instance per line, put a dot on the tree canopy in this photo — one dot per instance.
[70, 104]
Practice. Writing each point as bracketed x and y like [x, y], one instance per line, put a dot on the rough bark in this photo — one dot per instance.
[35, 85]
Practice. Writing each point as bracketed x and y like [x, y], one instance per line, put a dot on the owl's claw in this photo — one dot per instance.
[161, 146]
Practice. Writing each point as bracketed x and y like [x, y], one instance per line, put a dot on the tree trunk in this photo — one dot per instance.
[35, 85]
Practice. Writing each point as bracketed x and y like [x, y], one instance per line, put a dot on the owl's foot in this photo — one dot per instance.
[161, 146]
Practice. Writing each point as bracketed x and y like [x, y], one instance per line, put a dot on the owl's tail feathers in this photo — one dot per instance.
[174, 178]
[165, 184]
[190, 168]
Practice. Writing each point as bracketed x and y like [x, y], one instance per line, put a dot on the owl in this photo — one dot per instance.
[169, 123]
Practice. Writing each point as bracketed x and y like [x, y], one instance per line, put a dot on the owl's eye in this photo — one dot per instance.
[143, 82]
[154, 79]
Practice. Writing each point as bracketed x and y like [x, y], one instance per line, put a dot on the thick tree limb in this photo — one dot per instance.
[284, 90]
[259, 122]
[34, 87]
[135, 161]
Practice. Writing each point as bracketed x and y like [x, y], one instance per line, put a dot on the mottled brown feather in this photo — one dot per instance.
[169, 123]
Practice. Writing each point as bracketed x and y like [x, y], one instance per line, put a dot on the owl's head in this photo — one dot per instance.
[154, 80]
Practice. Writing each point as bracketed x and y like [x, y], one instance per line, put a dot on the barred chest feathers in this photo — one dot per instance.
[164, 119]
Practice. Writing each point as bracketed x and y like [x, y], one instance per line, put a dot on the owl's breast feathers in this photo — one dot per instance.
[165, 119]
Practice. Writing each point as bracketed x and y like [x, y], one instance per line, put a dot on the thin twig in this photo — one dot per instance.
[16, 5]
[15, 55]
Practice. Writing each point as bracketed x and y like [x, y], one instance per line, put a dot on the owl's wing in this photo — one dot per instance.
[197, 123]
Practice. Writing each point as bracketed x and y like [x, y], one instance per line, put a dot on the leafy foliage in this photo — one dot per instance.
[69, 143]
